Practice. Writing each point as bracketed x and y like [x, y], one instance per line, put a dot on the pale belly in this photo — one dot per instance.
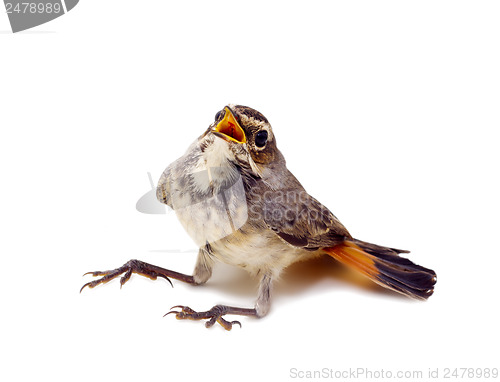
[258, 252]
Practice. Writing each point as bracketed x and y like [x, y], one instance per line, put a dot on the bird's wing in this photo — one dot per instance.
[163, 188]
[302, 221]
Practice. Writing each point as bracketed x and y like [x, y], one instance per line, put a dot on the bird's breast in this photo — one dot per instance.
[208, 195]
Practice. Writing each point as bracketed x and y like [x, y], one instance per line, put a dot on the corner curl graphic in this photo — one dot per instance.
[26, 14]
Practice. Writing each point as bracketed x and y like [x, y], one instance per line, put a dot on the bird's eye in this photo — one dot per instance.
[261, 138]
[219, 114]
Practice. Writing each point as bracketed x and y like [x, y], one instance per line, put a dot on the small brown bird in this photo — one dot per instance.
[234, 195]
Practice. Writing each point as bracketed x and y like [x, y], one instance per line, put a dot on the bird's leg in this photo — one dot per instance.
[263, 303]
[204, 265]
[216, 313]
[202, 271]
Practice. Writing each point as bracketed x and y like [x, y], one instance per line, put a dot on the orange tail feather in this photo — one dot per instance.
[385, 267]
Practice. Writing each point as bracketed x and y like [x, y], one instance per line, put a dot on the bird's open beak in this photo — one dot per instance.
[229, 129]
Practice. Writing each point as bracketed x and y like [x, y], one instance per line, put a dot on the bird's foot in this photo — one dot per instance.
[213, 315]
[139, 267]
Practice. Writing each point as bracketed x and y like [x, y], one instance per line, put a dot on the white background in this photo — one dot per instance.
[386, 111]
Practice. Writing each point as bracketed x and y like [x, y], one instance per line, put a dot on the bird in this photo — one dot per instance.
[236, 198]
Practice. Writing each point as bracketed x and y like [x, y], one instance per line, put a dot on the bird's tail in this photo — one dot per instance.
[385, 267]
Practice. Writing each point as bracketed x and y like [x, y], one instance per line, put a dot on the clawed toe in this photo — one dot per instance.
[133, 266]
[224, 323]
[213, 315]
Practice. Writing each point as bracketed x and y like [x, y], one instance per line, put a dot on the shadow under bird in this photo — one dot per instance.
[235, 197]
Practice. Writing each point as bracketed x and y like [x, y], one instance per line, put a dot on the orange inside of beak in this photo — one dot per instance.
[230, 127]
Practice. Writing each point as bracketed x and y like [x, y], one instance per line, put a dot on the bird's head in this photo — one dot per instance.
[246, 133]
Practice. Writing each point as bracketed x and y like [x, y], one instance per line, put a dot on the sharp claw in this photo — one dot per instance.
[178, 306]
[97, 273]
[236, 322]
[88, 284]
[166, 278]
[184, 309]
[172, 311]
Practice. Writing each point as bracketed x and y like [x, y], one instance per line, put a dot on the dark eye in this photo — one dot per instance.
[219, 114]
[261, 138]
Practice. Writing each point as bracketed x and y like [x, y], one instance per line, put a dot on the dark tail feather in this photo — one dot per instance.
[384, 266]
